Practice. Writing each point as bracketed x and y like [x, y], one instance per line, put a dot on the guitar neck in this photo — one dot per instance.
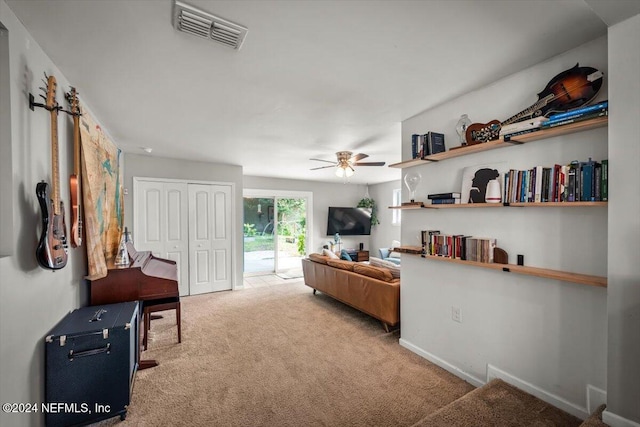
[54, 162]
[529, 111]
[76, 146]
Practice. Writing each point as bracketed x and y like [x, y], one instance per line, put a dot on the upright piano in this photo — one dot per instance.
[145, 278]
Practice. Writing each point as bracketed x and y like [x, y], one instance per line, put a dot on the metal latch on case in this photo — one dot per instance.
[105, 333]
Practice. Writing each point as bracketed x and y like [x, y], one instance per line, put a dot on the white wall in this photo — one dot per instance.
[324, 195]
[384, 233]
[32, 300]
[160, 167]
[549, 333]
[623, 302]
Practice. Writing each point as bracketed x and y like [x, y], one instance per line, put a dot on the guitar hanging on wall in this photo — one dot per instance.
[74, 179]
[570, 89]
[51, 252]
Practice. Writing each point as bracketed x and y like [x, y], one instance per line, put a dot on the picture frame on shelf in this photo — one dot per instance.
[475, 180]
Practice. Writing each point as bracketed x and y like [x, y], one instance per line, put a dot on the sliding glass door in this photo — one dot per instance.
[275, 231]
[259, 235]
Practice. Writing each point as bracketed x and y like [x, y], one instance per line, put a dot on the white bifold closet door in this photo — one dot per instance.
[209, 238]
[190, 224]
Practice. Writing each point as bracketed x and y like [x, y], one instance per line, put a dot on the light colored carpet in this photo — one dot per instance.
[281, 356]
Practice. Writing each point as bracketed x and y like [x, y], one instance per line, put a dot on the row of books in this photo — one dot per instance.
[573, 116]
[427, 144]
[575, 182]
[457, 246]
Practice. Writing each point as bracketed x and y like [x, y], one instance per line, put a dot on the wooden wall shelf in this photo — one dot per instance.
[583, 279]
[501, 143]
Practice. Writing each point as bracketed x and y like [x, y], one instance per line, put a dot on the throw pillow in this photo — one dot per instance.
[392, 267]
[341, 264]
[318, 258]
[327, 252]
[375, 272]
[394, 244]
[345, 255]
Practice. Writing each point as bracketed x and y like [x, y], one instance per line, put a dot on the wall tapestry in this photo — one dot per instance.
[102, 196]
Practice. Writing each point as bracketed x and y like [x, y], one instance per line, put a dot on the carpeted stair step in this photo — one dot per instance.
[499, 404]
[595, 420]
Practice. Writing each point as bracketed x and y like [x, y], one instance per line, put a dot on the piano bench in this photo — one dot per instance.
[152, 306]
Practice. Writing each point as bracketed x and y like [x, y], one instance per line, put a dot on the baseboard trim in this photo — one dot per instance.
[550, 398]
[617, 421]
[443, 364]
[595, 398]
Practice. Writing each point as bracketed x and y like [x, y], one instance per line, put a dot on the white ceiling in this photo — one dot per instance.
[313, 77]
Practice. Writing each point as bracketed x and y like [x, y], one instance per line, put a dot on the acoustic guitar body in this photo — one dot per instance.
[478, 133]
[571, 89]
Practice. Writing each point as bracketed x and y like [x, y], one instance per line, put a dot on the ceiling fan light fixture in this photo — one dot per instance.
[339, 172]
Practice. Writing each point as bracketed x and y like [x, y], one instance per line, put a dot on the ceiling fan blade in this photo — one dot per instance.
[369, 164]
[322, 167]
[327, 161]
[358, 156]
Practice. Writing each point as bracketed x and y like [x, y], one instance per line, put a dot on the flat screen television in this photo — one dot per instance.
[349, 221]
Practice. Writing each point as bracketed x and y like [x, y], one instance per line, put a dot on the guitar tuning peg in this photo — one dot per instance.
[42, 89]
[45, 75]
[43, 97]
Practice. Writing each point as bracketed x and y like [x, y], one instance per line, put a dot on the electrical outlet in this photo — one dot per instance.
[456, 314]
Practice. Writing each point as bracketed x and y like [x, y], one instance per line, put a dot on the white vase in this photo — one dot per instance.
[493, 195]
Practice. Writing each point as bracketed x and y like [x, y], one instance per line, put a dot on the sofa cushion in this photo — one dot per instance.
[371, 271]
[328, 253]
[341, 264]
[318, 258]
[391, 266]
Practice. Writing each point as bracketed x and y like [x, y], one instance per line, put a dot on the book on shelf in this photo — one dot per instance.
[435, 142]
[604, 184]
[523, 125]
[507, 137]
[580, 118]
[445, 201]
[578, 111]
[452, 195]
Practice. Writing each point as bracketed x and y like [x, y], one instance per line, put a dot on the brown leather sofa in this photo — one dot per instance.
[371, 290]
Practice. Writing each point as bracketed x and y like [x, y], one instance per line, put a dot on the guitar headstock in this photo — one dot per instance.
[72, 99]
[50, 100]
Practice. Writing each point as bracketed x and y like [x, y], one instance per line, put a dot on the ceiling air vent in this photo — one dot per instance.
[190, 20]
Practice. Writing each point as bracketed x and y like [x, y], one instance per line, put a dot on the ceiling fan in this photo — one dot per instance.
[345, 163]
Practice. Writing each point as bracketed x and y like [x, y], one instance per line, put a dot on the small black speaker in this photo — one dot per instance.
[361, 246]
[520, 259]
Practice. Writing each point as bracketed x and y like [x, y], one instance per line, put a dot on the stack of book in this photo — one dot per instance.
[576, 182]
[578, 114]
[427, 144]
[444, 198]
[458, 246]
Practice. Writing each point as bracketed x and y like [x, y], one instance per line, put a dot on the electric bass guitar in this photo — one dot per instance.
[74, 179]
[51, 252]
[570, 89]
